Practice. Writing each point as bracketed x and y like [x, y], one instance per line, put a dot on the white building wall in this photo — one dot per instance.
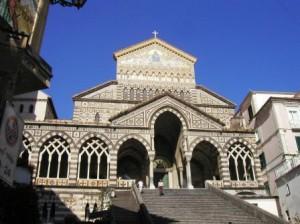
[268, 204]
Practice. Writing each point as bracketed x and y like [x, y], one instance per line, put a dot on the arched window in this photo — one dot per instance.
[97, 117]
[93, 160]
[21, 109]
[144, 94]
[138, 94]
[181, 94]
[30, 110]
[54, 158]
[25, 155]
[125, 94]
[241, 163]
[131, 94]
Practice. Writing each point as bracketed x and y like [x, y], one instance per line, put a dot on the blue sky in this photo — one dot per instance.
[241, 45]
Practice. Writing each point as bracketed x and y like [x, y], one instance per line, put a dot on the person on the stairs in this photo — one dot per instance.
[140, 185]
[87, 212]
[161, 187]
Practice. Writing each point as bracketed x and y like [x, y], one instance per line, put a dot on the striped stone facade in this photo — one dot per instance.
[108, 116]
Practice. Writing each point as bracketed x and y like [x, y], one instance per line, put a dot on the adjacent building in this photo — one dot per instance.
[275, 116]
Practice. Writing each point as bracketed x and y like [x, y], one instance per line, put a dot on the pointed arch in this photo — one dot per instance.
[158, 112]
[133, 136]
[89, 135]
[200, 139]
[54, 152]
[93, 158]
[241, 159]
[62, 134]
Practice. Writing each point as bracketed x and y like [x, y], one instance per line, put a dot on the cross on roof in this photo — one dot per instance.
[155, 33]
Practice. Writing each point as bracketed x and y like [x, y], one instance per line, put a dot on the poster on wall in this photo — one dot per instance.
[19, 14]
[10, 143]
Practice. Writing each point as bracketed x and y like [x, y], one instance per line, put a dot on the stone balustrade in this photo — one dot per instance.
[93, 182]
[125, 183]
[51, 181]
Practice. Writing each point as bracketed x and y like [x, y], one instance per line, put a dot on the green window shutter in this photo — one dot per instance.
[298, 142]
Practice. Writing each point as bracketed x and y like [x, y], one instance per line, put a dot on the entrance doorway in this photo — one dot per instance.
[167, 130]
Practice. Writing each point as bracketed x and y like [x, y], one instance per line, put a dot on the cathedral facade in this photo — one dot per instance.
[152, 123]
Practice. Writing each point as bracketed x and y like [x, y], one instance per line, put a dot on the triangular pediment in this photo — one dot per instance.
[141, 115]
[152, 45]
[157, 62]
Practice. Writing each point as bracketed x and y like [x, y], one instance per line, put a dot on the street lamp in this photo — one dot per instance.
[69, 3]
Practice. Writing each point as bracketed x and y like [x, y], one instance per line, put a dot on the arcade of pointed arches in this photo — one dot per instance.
[93, 159]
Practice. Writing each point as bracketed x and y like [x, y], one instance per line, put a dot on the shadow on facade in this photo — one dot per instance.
[53, 209]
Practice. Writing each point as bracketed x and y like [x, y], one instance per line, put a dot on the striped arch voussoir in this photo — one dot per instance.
[169, 109]
[29, 137]
[56, 133]
[233, 140]
[133, 136]
[96, 135]
[206, 139]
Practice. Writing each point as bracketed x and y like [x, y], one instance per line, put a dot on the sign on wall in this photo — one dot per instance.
[19, 15]
[10, 143]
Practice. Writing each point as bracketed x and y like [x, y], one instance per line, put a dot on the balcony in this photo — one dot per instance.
[287, 165]
[295, 124]
[51, 181]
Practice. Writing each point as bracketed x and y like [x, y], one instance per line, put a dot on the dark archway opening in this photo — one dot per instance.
[167, 129]
[133, 161]
[204, 164]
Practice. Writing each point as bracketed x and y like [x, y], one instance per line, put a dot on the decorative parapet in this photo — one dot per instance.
[232, 184]
[287, 165]
[215, 183]
[93, 183]
[51, 181]
[125, 183]
[244, 184]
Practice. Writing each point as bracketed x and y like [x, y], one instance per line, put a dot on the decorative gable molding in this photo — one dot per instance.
[144, 115]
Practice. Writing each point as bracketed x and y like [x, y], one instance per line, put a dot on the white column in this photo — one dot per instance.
[181, 177]
[151, 172]
[188, 157]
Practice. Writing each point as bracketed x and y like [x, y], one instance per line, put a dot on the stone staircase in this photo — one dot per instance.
[194, 206]
[125, 209]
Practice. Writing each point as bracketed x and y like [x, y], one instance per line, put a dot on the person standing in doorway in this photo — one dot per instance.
[140, 186]
[161, 187]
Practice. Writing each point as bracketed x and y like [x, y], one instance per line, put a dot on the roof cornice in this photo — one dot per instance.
[151, 41]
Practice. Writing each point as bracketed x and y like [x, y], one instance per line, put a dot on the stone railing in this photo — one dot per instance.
[93, 183]
[215, 183]
[51, 181]
[243, 184]
[125, 183]
[287, 165]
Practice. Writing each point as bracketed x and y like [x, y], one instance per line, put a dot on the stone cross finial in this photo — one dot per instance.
[155, 33]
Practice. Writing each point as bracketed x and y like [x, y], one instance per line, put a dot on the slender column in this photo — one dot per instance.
[188, 157]
[181, 176]
[151, 170]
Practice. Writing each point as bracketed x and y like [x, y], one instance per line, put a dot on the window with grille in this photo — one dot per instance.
[54, 158]
[93, 160]
[298, 142]
[241, 163]
[25, 155]
[263, 162]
